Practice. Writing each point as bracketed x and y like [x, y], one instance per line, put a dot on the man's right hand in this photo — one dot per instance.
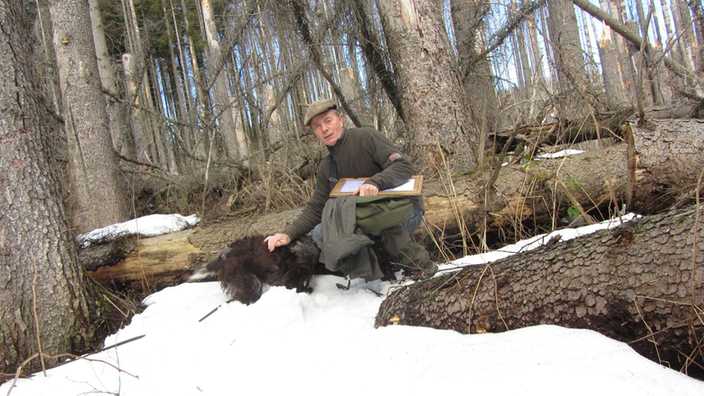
[276, 240]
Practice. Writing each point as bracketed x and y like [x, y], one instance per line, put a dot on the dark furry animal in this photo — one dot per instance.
[243, 266]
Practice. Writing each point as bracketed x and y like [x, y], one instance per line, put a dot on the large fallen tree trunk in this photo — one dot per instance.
[666, 162]
[641, 283]
[659, 165]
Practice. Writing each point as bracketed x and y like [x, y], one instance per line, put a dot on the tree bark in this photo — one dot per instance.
[640, 283]
[118, 129]
[46, 303]
[144, 265]
[430, 87]
[613, 84]
[528, 139]
[569, 61]
[477, 77]
[47, 68]
[184, 128]
[201, 139]
[100, 196]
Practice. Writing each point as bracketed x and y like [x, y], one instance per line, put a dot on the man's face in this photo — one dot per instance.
[327, 127]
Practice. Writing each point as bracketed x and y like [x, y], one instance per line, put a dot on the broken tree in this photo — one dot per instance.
[641, 283]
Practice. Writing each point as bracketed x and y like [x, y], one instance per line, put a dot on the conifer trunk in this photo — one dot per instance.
[100, 197]
[640, 283]
[430, 86]
[45, 298]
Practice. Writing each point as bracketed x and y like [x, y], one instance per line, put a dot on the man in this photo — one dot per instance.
[355, 153]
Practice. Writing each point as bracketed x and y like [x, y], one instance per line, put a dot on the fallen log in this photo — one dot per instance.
[153, 264]
[665, 163]
[564, 131]
[640, 283]
[660, 164]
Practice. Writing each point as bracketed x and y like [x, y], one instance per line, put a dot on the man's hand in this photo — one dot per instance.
[366, 190]
[276, 240]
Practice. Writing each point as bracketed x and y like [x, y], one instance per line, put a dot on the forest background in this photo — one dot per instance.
[164, 106]
[201, 96]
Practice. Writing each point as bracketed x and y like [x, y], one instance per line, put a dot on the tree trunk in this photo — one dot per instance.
[47, 69]
[46, 303]
[372, 50]
[694, 87]
[143, 265]
[201, 139]
[432, 96]
[118, 129]
[230, 129]
[477, 77]
[183, 128]
[684, 26]
[640, 283]
[569, 61]
[613, 84]
[317, 55]
[524, 63]
[100, 197]
[138, 90]
[141, 144]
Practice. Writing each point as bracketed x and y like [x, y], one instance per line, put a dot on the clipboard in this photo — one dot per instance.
[347, 185]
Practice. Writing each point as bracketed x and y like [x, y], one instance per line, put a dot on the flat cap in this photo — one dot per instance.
[318, 107]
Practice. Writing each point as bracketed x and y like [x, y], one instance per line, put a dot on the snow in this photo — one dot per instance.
[561, 153]
[325, 343]
[151, 225]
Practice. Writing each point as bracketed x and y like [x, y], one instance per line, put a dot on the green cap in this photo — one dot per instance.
[318, 107]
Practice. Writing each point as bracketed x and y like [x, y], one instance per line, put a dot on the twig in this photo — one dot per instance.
[651, 334]
[36, 316]
[215, 309]
[115, 306]
[504, 150]
[474, 296]
[54, 357]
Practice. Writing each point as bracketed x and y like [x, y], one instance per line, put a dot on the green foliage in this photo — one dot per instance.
[573, 212]
[573, 184]
[541, 176]
[530, 164]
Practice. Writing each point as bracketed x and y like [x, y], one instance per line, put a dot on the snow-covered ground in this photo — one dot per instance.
[325, 343]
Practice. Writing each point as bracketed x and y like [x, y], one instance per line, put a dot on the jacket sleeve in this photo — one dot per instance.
[396, 168]
[313, 211]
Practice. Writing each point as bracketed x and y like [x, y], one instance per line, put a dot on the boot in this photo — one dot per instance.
[416, 263]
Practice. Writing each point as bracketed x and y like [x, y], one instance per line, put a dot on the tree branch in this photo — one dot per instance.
[634, 38]
[304, 28]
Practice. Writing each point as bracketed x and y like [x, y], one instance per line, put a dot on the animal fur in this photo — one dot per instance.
[245, 265]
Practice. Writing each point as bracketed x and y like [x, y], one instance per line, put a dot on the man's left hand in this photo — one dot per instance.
[366, 190]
